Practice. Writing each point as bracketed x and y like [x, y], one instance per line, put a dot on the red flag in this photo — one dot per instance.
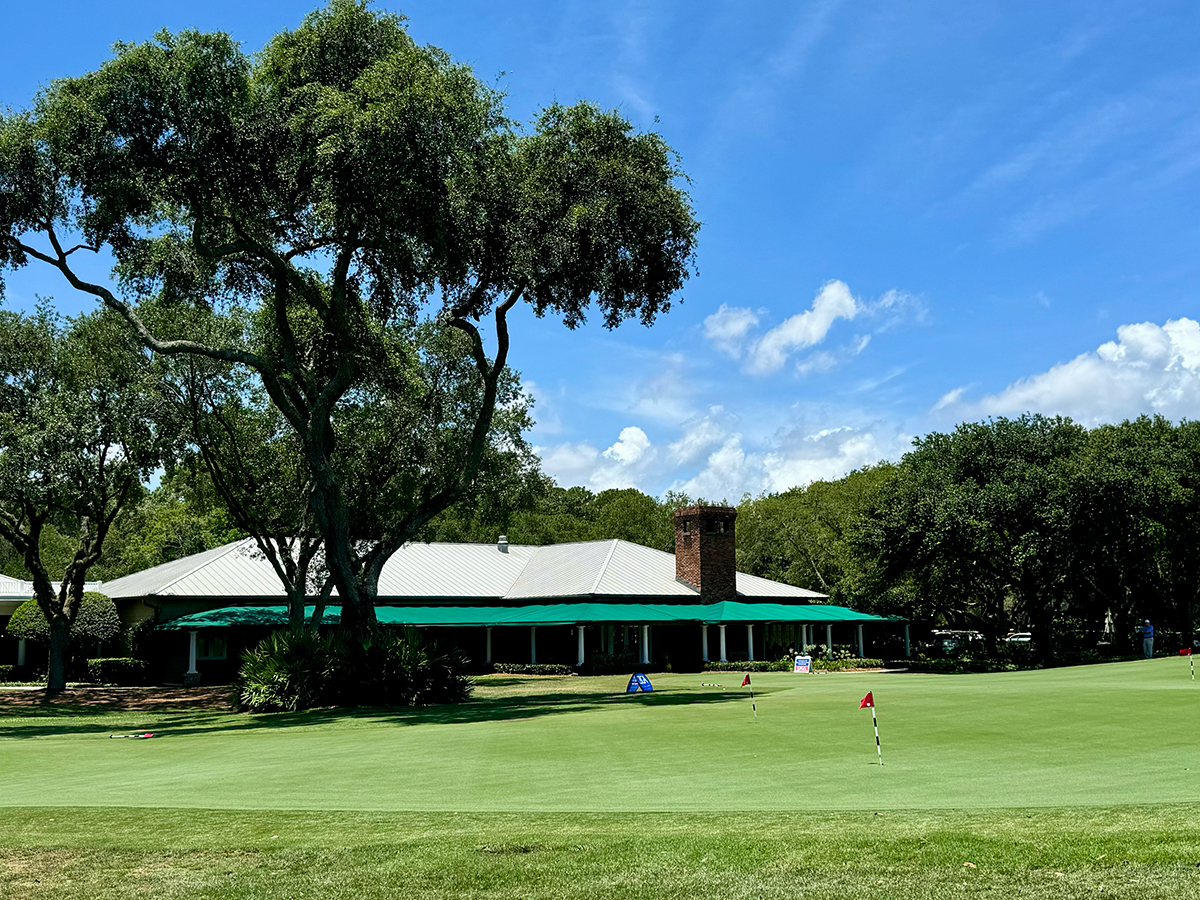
[746, 680]
[1186, 651]
[868, 701]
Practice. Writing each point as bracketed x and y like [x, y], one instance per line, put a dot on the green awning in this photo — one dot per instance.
[730, 611]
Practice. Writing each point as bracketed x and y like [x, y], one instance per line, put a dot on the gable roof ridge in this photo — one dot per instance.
[536, 548]
[604, 566]
[233, 545]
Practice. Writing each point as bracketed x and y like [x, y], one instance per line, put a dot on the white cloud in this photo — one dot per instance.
[728, 327]
[699, 436]
[630, 446]
[1148, 369]
[834, 301]
[830, 453]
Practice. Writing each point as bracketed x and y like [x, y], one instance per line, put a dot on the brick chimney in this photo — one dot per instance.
[704, 551]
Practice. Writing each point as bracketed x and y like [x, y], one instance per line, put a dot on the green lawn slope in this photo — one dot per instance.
[1069, 783]
[1115, 734]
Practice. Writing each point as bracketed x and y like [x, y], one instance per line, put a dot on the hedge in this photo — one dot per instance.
[787, 665]
[119, 670]
[6, 673]
[531, 669]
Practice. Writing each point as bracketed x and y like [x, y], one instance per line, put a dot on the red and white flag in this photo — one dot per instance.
[867, 702]
[746, 680]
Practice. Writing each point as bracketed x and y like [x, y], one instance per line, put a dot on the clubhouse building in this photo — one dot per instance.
[506, 603]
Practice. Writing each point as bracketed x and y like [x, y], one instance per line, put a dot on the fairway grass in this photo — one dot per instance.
[1078, 782]
[87, 854]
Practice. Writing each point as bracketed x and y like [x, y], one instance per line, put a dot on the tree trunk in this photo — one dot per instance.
[60, 645]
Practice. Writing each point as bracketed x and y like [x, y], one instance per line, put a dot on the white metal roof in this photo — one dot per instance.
[611, 568]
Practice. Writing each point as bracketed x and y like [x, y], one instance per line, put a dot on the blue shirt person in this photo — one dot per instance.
[1147, 640]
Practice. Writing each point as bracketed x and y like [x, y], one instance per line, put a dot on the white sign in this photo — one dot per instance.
[803, 665]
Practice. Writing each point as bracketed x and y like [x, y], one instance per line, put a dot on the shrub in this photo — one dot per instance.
[7, 673]
[96, 622]
[788, 663]
[759, 665]
[532, 669]
[610, 664]
[841, 665]
[119, 670]
[289, 670]
[300, 670]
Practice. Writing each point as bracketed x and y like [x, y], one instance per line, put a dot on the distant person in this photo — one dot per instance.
[1147, 640]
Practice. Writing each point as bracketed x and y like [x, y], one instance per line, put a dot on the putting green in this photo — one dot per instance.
[1087, 736]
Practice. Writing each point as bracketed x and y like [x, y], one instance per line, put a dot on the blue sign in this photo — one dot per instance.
[639, 682]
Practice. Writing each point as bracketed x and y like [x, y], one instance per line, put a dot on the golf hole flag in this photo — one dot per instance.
[746, 683]
[868, 702]
[639, 682]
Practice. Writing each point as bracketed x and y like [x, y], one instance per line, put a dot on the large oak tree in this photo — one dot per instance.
[337, 193]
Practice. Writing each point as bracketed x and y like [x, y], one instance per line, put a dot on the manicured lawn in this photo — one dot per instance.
[1053, 783]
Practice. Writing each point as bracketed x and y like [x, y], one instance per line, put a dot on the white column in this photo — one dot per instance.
[907, 646]
[750, 639]
[806, 640]
[829, 641]
[861, 654]
[579, 630]
[191, 653]
[722, 627]
[533, 644]
[21, 651]
[612, 638]
[645, 648]
[704, 641]
[489, 644]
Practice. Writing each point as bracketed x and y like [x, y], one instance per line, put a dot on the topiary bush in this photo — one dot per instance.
[123, 671]
[301, 670]
[96, 622]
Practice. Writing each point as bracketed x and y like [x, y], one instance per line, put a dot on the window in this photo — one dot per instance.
[210, 646]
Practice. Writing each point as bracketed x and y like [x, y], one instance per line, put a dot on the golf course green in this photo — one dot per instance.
[1042, 783]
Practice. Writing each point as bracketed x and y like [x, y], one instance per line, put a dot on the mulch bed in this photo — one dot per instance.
[117, 698]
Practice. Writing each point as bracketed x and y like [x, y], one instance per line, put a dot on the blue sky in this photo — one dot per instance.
[914, 214]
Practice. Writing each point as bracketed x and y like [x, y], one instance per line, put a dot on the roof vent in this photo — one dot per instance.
[502, 543]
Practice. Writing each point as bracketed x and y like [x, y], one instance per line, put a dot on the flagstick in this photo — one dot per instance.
[752, 706]
[878, 746]
[1192, 663]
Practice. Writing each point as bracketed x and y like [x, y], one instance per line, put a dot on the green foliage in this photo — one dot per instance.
[7, 673]
[289, 670]
[547, 514]
[293, 670]
[531, 669]
[758, 665]
[28, 623]
[610, 664]
[807, 537]
[118, 670]
[335, 219]
[96, 621]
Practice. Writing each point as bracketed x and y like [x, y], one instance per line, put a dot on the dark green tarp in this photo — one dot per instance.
[730, 611]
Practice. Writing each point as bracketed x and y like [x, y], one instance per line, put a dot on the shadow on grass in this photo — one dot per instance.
[67, 720]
